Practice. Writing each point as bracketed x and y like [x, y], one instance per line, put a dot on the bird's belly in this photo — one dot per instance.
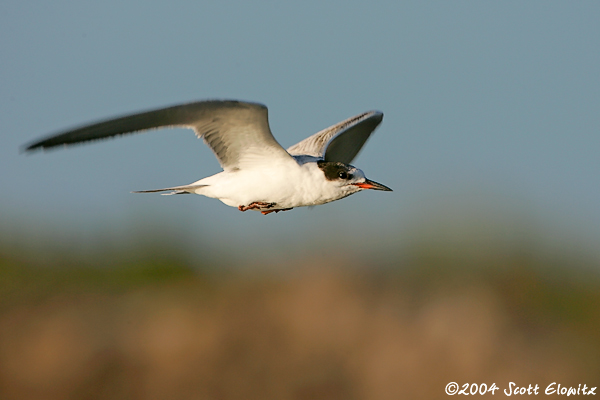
[295, 188]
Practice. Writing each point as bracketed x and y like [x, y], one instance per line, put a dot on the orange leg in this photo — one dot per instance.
[255, 205]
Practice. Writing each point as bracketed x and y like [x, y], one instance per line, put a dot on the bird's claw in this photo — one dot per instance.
[275, 211]
[260, 205]
[255, 205]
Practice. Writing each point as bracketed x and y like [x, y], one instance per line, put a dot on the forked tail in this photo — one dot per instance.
[188, 189]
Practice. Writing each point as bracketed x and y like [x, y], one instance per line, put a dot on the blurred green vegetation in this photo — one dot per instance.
[149, 322]
[24, 279]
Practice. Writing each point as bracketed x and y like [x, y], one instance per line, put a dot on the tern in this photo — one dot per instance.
[258, 174]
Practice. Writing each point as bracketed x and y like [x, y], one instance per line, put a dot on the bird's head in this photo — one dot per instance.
[348, 178]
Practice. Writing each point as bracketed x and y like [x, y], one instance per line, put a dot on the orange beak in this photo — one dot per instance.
[368, 184]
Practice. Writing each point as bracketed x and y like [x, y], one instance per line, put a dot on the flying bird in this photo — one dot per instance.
[258, 174]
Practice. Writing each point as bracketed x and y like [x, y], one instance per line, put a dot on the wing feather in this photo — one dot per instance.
[342, 141]
[234, 130]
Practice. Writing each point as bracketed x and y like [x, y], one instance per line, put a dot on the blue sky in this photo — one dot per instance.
[488, 105]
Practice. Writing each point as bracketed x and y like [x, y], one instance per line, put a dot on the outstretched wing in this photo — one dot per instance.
[237, 132]
[342, 141]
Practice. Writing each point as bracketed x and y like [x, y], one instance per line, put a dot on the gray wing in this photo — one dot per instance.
[342, 141]
[237, 132]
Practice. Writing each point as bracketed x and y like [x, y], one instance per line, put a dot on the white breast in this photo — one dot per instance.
[287, 185]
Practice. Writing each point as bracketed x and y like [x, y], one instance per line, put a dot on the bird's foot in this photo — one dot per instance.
[275, 211]
[255, 205]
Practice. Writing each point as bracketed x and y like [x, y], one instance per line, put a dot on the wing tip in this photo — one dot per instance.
[376, 115]
[31, 147]
[43, 145]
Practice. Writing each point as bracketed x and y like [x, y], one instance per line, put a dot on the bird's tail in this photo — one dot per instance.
[187, 189]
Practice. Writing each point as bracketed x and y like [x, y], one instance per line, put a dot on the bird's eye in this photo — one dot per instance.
[343, 175]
